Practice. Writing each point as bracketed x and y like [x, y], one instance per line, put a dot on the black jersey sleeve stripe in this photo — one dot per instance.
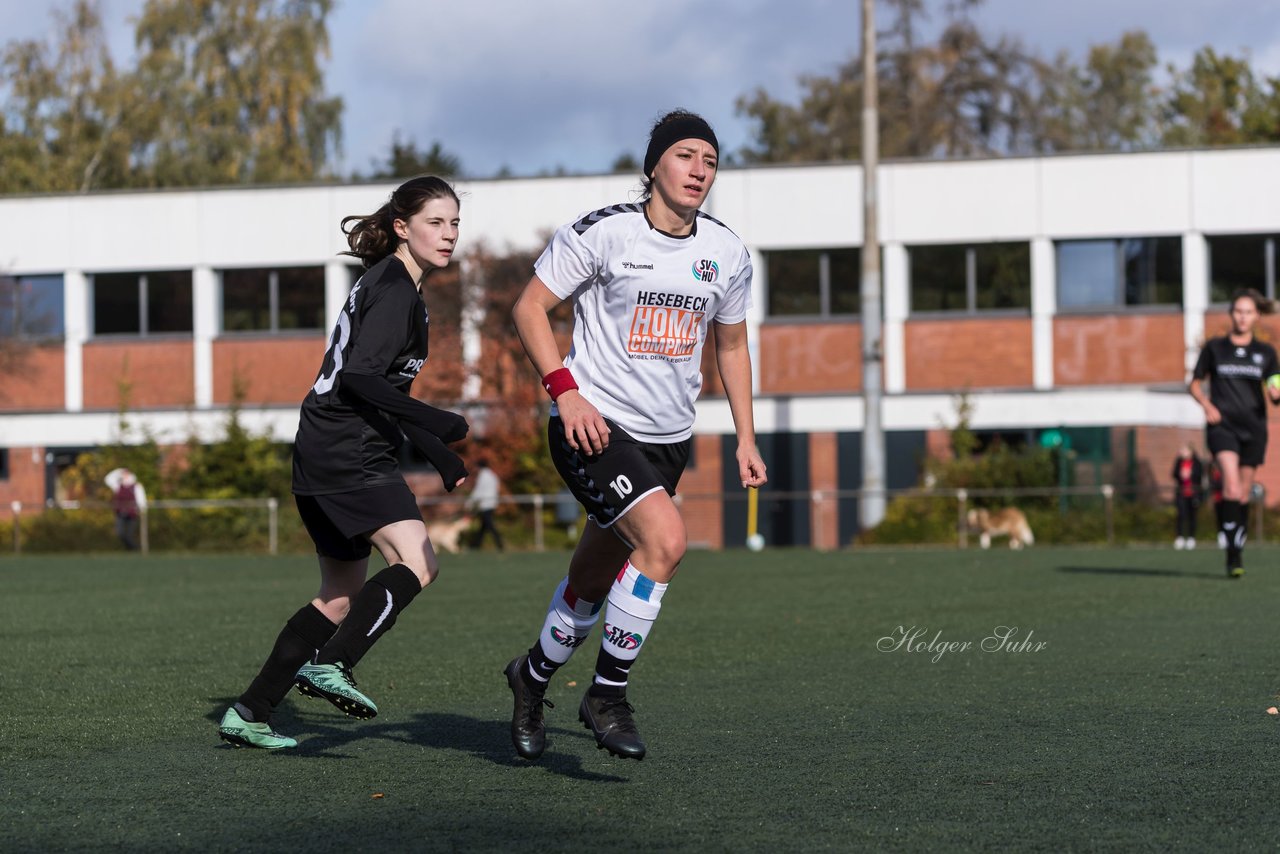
[710, 218]
[596, 216]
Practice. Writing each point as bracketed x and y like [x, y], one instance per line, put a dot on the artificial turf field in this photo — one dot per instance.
[772, 718]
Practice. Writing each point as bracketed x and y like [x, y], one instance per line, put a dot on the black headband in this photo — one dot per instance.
[667, 135]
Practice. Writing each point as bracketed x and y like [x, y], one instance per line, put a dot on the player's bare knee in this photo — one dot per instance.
[427, 568]
[660, 555]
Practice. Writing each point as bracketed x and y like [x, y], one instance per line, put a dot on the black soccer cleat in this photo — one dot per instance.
[528, 732]
[1235, 563]
[608, 716]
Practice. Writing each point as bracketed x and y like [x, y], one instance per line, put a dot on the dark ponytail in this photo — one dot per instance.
[373, 237]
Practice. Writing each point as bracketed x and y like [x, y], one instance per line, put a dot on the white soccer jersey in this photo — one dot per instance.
[642, 301]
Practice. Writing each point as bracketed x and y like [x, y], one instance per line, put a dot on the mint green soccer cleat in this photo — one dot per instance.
[237, 731]
[334, 682]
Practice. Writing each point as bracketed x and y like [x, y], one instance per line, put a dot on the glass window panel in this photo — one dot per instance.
[794, 286]
[31, 306]
[1003, 272]
[301, 298]
[246, 300]
[1152, 270]
[169, 301]
[116, 306]
[1087, 274]
[8, 306]
[1235, 262]
[938, 278]
[846, 280]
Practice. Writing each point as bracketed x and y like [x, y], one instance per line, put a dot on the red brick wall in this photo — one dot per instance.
[25, 483]
[824, 523]
[270, 370]
[34, 380]
[959, 353]
[157, 373]
[1115, 349]
[700, 486]
[810, 357]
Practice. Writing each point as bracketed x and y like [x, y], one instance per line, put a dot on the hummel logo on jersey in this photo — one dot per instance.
[627, 265]
[706, 270]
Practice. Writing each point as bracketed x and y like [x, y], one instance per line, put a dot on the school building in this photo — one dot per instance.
[1067, 293]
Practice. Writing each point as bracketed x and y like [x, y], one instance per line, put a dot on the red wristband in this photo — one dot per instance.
[558, 382]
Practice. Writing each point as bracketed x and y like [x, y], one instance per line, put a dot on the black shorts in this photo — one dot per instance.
[340, 523]
[609, 483]
[1249, 442]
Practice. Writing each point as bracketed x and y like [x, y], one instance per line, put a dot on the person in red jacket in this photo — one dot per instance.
[1188, 476]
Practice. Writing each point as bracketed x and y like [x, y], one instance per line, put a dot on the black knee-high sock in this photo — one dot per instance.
[373, 612]
[1231, 515]
[1242, 523]
[303, 634]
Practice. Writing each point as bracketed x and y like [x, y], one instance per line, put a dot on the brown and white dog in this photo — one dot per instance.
[447, 533]
[1009, 522]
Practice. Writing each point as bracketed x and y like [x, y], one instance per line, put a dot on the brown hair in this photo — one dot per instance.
[1264, 305]
[373, 237]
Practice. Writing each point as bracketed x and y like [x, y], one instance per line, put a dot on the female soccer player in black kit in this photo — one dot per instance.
[346, 480]
[1237, 365]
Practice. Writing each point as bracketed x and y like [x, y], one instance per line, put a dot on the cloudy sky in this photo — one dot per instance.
[572, 84]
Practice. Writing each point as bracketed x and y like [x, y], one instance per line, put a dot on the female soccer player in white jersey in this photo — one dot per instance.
[646, 282]
[346, 480]
[1237, 365]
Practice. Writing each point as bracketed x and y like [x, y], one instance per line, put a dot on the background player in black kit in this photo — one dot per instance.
[346, 480]
[1236, 366]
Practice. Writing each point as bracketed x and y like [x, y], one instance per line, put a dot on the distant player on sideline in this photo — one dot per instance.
[646, 281]
[1237, 365]
[346, 479]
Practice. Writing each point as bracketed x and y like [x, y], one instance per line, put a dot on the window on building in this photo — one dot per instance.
[152, 303]
[272, 299]
[1242, 261]
[970, 277]
[1124, 272]
[4, 463]
[31, 307]
[814, 282]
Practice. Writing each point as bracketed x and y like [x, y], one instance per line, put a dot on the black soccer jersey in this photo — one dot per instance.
[343, 442]
[1235, 375]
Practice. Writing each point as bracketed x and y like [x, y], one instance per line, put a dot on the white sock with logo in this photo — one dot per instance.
[569, 621]
[634, 603]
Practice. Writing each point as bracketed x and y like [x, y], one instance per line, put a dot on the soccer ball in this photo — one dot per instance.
[755, 542]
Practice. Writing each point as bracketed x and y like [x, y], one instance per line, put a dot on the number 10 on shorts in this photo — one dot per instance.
[621, 485]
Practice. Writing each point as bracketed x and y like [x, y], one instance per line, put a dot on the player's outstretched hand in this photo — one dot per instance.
[751, 468]
[584, 426]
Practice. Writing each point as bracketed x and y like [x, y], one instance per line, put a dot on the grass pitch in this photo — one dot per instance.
[791, 700]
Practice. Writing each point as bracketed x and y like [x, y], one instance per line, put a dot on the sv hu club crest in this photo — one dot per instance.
[706, 270]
